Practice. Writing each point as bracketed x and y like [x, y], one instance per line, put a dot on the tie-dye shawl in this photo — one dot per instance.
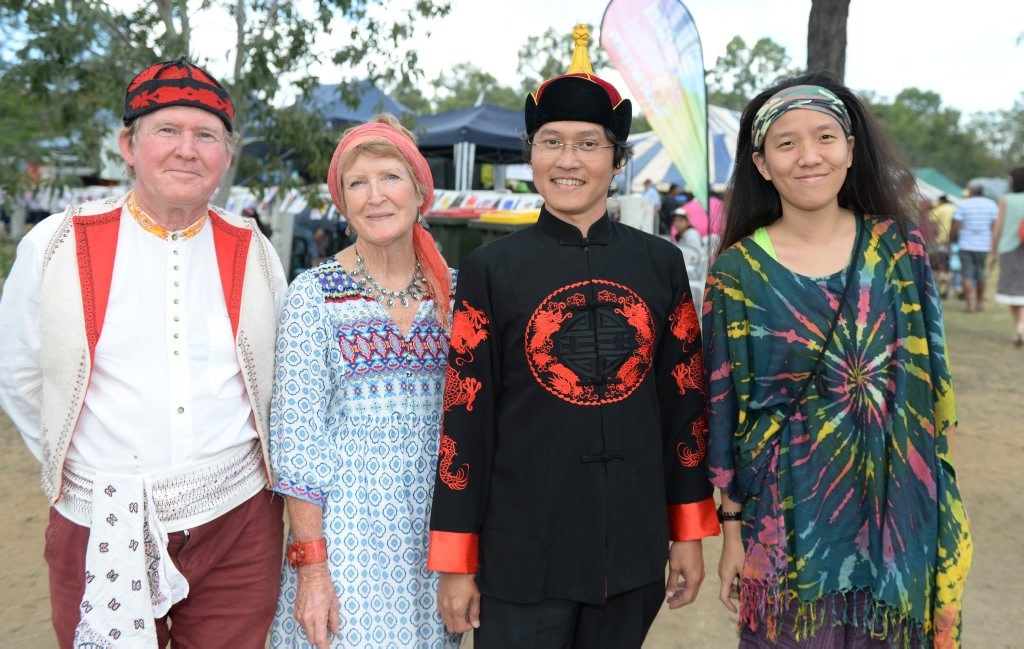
[855, 493]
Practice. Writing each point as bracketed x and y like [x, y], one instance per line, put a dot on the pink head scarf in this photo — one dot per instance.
[433, 265]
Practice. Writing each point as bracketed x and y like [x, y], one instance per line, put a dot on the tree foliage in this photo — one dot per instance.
[931, 135]
[467, 85]
[743, 72]
[540, 57]
[73, 58]
[64, 65]
[1002, 133]
[548, 55]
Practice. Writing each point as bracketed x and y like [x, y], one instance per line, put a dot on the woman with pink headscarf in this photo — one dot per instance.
[356, 410]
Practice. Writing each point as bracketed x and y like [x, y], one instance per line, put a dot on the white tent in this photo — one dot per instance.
[650, 160]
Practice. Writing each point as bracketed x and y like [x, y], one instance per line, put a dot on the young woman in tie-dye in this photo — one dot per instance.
[850, 530]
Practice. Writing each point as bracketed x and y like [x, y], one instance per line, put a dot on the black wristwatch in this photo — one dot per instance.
[728, 516]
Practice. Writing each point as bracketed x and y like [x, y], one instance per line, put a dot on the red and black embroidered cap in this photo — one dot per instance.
[177, 83]
[579, 95]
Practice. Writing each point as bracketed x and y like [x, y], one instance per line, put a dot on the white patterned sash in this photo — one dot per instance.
[130, 579]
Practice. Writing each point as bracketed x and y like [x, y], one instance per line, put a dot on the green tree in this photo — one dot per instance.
[467, 85]
[540, 57]
[75, 57]
[931, 136]
[1002, 132]
[406, 91]
[22, 139]
[548, 55]
[743, 72]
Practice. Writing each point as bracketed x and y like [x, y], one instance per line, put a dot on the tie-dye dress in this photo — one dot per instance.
[355, 424]
[851, 512]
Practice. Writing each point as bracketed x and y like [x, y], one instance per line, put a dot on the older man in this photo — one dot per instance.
[137, 336]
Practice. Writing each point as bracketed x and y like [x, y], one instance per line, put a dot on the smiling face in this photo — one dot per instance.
[806, 156]
[574, 184]
[380, 199]
[179, 155]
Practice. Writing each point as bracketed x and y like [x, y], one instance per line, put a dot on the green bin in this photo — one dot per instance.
[453, 236]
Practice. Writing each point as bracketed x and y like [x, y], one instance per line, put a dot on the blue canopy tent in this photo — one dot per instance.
[331, 100]
[483, 133]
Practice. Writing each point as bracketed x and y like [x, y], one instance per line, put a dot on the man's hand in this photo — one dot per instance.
[458, 601]
[316, 604]
[686, 572]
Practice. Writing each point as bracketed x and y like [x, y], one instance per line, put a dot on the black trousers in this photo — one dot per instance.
[622, 622]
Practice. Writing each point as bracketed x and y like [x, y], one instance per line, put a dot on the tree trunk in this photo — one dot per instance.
[826, 37]
[19, 216]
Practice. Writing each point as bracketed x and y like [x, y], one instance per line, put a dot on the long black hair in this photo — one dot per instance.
[878, 183]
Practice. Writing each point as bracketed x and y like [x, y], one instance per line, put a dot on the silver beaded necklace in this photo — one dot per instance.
[371, 288]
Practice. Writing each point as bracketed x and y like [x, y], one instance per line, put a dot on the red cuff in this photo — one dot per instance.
[693, 521]
[454, 552]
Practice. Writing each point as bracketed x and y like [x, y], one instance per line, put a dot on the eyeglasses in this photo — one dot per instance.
[550, 147]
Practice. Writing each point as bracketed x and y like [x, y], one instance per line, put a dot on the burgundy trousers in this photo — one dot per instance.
[232, 565]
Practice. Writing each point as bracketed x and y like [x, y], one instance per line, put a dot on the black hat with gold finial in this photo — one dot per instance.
[579, 96]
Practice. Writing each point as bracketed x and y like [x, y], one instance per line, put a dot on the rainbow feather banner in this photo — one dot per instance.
[655, 46]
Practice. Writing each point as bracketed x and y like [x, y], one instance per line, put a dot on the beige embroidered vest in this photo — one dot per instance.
[77, 267]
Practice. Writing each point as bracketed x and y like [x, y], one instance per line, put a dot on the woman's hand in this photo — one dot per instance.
[730, 565]
[317, 608]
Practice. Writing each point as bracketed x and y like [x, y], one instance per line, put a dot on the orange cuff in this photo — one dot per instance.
[454, 552]
[693, 520]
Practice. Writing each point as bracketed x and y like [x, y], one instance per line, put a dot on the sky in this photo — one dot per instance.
[967, 52]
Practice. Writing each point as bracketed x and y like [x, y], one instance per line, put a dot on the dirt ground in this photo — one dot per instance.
[989, 451]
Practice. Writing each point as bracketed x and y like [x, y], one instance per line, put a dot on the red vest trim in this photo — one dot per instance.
[232, 246]
[95, 244]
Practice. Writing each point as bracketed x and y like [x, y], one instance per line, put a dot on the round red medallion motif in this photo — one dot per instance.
[591, 343]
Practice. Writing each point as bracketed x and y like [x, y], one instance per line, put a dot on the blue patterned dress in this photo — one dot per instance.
[355, 422]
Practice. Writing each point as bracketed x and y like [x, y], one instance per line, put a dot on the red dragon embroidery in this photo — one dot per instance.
[455, 481]
[690, 376]
[688, 457]
[684, 322]
[553, 341]
[545, 323]
[458, 390]
[468, 329]
[637, 315]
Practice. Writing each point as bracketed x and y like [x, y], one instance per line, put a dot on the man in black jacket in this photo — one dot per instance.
[574, 432]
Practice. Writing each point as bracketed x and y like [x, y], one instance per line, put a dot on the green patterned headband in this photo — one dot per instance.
[816, 98]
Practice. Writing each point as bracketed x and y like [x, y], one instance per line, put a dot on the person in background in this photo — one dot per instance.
[572, 442]
[137, 335]
[673, 198]
[939, 252]
[830, 406]
[1008, 253]
[684, 234]
[653, 197]
[697, 215]
[361, 360]
[973, 223]
[250, 211]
